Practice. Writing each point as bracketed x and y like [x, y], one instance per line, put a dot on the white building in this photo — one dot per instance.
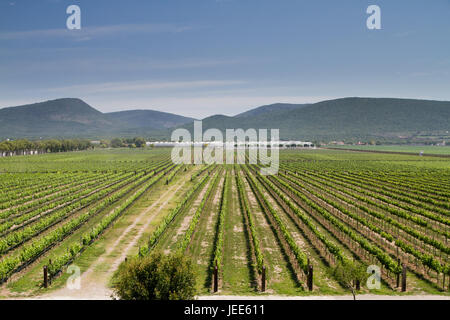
[253, 144]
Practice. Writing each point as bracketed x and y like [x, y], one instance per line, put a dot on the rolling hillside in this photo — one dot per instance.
[347, 118]
[270, 109]
[73, 118]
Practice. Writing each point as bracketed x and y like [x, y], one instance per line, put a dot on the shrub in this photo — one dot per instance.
[155, 277]
[347, 273]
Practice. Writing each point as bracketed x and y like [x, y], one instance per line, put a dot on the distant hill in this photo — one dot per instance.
[73, 118]
[347, 118]
[147, 118]
[270, 109]
[340, 119]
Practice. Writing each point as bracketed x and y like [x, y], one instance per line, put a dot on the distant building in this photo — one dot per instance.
[279, 144]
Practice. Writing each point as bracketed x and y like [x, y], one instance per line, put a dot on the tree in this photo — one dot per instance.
[139, 142]
[116, 143]
[155, 277]
[349, 274]
[4, 147]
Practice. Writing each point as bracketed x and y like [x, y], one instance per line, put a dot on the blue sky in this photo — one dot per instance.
[203, 57]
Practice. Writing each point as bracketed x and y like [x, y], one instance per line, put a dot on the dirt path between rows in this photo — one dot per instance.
[94, 286]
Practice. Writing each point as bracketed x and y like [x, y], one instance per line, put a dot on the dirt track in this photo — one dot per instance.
[97, 282]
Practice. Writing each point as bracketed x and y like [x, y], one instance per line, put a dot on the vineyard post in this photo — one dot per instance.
[398, 274]
[403, 278]
[50, 263]
[398, 280]
[443, 281]
[45, 277]
[263, 279]
[310, 277]
[216, 280]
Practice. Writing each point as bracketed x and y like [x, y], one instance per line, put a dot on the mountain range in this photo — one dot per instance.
[73, 118]
[346, 118]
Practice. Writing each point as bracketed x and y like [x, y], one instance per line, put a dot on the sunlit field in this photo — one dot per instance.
[92, 209]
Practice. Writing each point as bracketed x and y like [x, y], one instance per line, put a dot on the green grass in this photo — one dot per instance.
[237, 267]
[172, 237]
[201, 247]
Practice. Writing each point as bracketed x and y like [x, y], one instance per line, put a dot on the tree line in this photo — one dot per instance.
[24, 146]
[137, 142]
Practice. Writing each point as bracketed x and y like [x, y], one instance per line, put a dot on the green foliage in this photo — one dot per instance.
[427, 260]
[90, 236]
[32, 250]
[154, 238]
[53, 214]
[332, 248]
[156, 277]
[349, 273]
[299, 254]
[139, 142]
[19, 147]
[381, 255]
[218, 246]
[195, 219]
[348, 118]
[254, 234]
[117, 143]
